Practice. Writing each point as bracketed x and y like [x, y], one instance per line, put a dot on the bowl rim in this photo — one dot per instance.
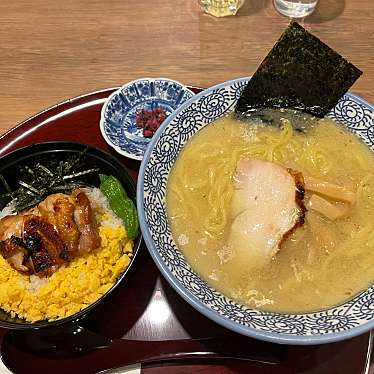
[116, 92]
[273, 337]
[31, 150]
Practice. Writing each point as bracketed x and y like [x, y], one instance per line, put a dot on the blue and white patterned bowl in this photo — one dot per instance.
[118, 115]
[342, 322]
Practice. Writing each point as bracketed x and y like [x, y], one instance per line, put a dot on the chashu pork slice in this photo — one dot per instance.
[267, 205]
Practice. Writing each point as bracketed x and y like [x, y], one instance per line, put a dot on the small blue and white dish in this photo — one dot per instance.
[347, 320]
[118, 115]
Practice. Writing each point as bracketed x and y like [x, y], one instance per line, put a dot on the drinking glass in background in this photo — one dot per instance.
[295, 8]
[221, 8]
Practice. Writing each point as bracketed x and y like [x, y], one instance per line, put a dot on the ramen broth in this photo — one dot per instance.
[322, 263]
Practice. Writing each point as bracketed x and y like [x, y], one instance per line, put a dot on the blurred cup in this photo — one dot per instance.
[295, 8]
[221, 8]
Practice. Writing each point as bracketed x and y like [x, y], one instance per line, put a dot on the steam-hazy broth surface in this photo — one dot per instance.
[322, 263]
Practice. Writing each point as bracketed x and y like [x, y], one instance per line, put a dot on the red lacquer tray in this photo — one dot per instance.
[145, 307]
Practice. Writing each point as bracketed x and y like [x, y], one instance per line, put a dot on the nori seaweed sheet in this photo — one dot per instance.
[300, 72]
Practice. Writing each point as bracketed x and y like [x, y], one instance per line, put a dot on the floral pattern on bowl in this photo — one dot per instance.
[118, 115]
[352, 318]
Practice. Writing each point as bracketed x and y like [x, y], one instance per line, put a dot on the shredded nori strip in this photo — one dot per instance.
[48, 175]
[5, 184]
[300, 72]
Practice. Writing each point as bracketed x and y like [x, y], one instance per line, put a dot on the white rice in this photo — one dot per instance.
[100, 206]
[7, 210]
[35, 283]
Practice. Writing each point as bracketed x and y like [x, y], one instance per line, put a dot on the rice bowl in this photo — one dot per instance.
[63, 283]
[76, 284]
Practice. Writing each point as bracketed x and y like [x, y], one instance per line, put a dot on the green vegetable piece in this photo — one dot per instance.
[120, 203]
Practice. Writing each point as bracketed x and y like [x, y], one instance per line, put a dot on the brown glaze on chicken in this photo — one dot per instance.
[14, 251]
[45, 246]
[11, 226]
[83, 216]
[299, 200]
[41, 239]
[59, 209]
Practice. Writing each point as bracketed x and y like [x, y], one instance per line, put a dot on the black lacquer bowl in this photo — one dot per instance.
[94, 158]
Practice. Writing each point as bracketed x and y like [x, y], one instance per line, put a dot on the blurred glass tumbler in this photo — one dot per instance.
[221, 8]
[295, 8]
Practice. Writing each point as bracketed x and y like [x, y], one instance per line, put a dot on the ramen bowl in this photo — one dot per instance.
[347, 320]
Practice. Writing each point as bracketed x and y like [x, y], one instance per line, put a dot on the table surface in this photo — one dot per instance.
[54, 50]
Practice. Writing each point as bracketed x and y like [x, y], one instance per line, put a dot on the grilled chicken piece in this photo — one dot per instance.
[267, 205]
[86, 223]
[58, 209]
[14, 251]
[11, 226]
[47, 208]
[44, 237]
[45, 246]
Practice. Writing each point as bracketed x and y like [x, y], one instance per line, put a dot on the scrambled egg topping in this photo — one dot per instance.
[74, 286]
